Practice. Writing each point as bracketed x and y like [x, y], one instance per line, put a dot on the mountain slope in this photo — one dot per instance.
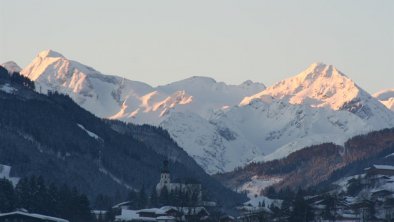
[11, 66]
[318, 165]
[318, 105]
[386, 97]
[322, 85]
[118, 98]
[54, 137]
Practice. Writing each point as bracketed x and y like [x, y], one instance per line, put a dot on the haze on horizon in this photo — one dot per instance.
[158, 42]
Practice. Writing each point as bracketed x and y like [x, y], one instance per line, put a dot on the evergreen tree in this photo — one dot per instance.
[7, 196]
[102, 202]
[142, 198]
[354, 186]
[301, 211]
[153, 200]
[23, 193]
[4, 73]
[164, 196]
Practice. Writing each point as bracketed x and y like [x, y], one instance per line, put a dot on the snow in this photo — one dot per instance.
[7, 88]
[11, 66]
[390, 155]
[49, 53]
[386, 97]
[255, 201]
[5, 173]
[214, 147]
[127, 215]
[257, 184]
[224, 126]
[91, 134]
[384, 167]
[115, 178]
[38, 216]
[132, 101]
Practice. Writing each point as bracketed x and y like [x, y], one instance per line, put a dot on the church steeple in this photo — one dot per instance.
[165, 180]
[165, 167]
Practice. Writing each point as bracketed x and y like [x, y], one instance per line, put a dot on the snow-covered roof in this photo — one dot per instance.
[383, 167]
[98, 212]
[151, 210]
[122, 204]
[165, 218]
[127, 215]
[38, 216]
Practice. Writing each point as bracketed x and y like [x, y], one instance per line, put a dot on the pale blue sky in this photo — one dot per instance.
[162, 41]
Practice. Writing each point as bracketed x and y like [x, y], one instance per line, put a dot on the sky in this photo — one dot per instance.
[159, 42]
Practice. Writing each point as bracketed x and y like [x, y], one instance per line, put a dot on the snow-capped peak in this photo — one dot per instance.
[320, 85]
[386, 97]
[11, 66]
[49, 53]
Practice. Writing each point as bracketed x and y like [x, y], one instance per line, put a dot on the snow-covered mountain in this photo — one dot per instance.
[320, 104]
[195, 99]
[386, 97]
[11, 66]
[224, 126]
[101, 94]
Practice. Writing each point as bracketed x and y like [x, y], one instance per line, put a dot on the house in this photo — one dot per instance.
[380, 194]
[254, 214]
[385, 170]
[22, 216]
[99, 214]
[164, 214]
[227, 218]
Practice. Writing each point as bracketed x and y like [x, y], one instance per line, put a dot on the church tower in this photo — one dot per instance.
[165, 180]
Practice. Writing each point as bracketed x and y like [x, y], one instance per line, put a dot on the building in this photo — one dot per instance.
[375, 170]
[164, 214]
[189, 186]
[22, 216]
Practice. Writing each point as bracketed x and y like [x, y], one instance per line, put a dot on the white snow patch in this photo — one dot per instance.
[91, 134]
[257, 184]
[7, 88]
[115, 178]
[5, 173]
[255, 201]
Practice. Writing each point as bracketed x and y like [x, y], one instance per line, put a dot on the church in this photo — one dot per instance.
[189, 187]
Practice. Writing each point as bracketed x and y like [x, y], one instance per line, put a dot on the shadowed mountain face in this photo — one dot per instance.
[50, 135]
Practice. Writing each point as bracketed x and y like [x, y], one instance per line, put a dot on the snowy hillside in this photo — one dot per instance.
[386, 97]
[318, 105]
[11, 66]
[322, 85]
[215, 148]
[101, 94]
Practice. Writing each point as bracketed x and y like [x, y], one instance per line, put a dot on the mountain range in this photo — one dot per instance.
[225, 126]
[53, 137]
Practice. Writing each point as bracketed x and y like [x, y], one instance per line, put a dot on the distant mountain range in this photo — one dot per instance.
[226, 126]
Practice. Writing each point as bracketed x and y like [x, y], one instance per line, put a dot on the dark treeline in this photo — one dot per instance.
[17, 78]
[34, 195]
